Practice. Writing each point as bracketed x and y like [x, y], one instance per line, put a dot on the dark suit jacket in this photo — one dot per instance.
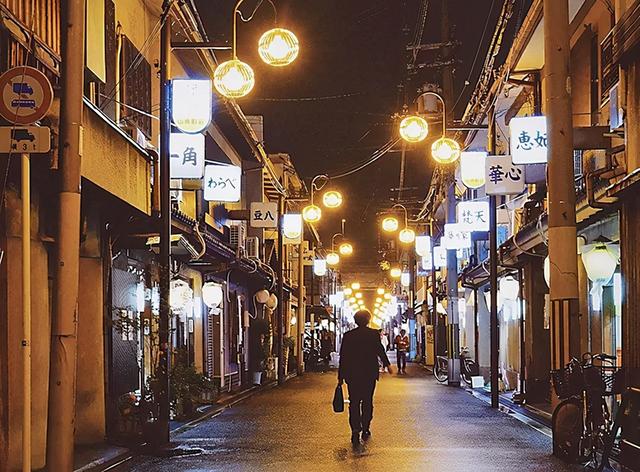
[359, 353]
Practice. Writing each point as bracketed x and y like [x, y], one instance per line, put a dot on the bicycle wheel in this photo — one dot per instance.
[439, 373]
[567, 430]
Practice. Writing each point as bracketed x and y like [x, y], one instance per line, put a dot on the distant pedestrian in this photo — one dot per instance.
[326, 347]
[402, 347]
[359, 353]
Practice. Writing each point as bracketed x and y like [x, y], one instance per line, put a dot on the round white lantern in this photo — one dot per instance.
[262, 296]
[272, 302]
[212, 294]
[600, 263]
[472, 168]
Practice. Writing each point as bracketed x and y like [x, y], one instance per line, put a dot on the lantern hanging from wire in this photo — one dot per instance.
[600, 261]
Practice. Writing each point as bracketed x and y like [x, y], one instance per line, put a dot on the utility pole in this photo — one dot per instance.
[161, 436]
[301, 308]
[281, 308]
[493, 273]
[565, 332]
[453, 327]
[62, 375]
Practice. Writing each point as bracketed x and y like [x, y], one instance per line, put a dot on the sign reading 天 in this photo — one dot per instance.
[528, 139]
[222, 183]
[187, 156]
[264, 215]
[474, 215]
[191, 104]
[456, 236]
[503, 177]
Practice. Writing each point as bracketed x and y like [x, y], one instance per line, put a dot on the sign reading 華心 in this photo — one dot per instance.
[264, 215]
[528, 139]
[456, 236]
[191, 104]
[503, 177]
[187, 156]
[222, 183]
[25, 95]
[474, 215]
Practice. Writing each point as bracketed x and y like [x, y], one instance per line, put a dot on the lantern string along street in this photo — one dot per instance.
[277, 47]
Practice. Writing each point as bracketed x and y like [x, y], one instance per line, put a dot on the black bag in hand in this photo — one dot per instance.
[338, 400]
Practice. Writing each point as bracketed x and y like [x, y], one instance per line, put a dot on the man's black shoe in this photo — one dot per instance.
[366, 434]
[355, 439]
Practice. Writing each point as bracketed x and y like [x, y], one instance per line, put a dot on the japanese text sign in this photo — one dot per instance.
[503, 177]
[191, 104]
[187, 156]
[222, 183]
[528, 140]
[474, 215]
[456, 236]
[439, 257]
[264, 215]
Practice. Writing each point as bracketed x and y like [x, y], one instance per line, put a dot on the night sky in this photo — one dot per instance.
[354, 50]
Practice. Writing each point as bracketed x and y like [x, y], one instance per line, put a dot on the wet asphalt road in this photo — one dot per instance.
[419, 425]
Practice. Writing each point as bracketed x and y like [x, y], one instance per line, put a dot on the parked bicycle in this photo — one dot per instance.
[582, 422]
[468, 367]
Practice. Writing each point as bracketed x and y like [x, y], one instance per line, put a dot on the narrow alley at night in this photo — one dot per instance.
[298, 235]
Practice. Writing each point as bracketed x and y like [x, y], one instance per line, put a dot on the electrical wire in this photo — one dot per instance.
[310, 99]
[376, 155]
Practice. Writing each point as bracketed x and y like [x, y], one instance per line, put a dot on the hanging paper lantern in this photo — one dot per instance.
[472, 168]
[212, 294]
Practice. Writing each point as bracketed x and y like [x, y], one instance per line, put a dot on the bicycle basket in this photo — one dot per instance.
[594, 380]
[567, 382]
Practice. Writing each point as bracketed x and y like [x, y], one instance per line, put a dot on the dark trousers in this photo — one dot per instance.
[361, 404]
[401, 359]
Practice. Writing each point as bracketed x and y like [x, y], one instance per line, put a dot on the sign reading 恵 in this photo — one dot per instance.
[503, 177]
[264, 215]
[25, 139]
[456, 236]
[187, 156]
[191, 104]
[528, 139]
[25, 95]
[222, 183]
[474, 215]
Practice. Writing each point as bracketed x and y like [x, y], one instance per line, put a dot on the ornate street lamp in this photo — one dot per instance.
[414, 129]
[278, 47]
[407, 235]
[444, 150]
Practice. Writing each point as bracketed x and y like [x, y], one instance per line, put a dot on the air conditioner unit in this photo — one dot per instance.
[238, 234]
[252, 247]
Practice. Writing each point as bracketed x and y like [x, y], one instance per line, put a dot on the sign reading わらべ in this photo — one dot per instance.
[528, 139]
[456, 236]
[222, 183]
[25, 95]
[503, 177]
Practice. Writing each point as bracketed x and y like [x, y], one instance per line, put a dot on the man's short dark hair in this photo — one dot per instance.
[362, 317]
[403, 331]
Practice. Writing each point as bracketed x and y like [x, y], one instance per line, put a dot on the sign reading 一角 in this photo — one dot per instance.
[264, 215]
[474, 215]
[222, 183]
[187, 156]
[191, 104]
[456, 236]
[528, 139]
[503, 177]
[25, 139]
[25, 95]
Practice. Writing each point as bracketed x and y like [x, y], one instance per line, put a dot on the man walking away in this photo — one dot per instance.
[359, 355]
[402, 346]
